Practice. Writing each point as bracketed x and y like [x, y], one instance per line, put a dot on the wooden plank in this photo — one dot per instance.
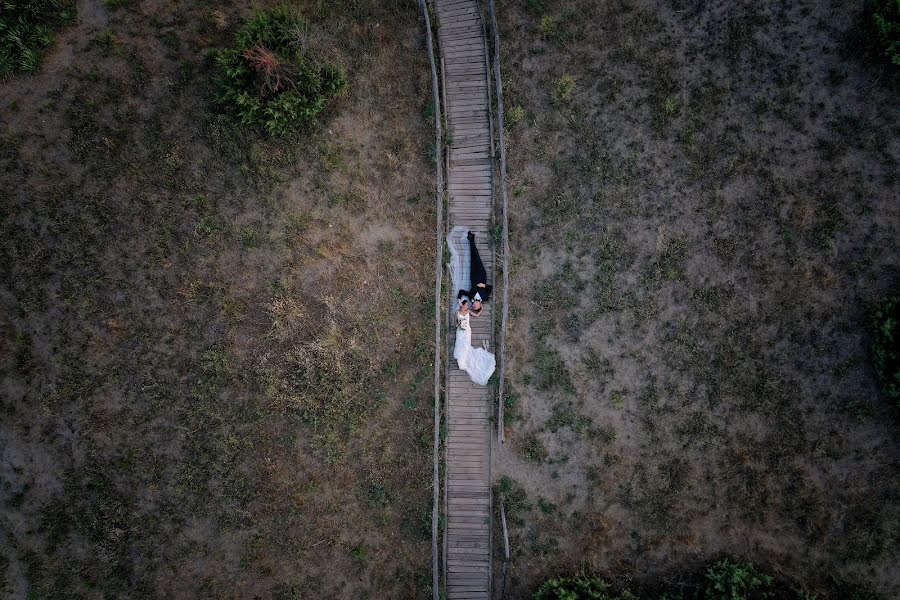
[461, 47]
[445, 11]
[468, 23]
[454, 5]
[483, 168]
[458, 41]
[469, 462]
[464, 561]
[468, 584]
[468, 69]
[470, 487]
[470, 549]
[471, 564]
[470, 141]
[469, 146]
[464, 101]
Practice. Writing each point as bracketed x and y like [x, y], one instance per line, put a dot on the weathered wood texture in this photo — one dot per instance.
[469, 186]
[439, 189]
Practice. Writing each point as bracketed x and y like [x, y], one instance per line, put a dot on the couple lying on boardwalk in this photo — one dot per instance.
[477, 362]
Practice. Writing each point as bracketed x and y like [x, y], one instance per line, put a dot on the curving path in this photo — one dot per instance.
[467, 539]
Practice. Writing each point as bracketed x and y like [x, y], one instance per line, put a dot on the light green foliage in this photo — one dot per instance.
[26, 31]
[564, 87]
[548, 27]
[515, 115]
[268, 81]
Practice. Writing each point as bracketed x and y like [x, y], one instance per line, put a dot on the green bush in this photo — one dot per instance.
[732, 580]
[564, 87]
[269, 80]
[579, 587]
[883, 319]
[26, 31]
[881, 29]
[533, 450]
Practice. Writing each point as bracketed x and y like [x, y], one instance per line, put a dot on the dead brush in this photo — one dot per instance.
[274, 74]
[330, 375]
[312, 43]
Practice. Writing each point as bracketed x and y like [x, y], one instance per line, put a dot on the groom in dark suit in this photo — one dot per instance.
[481, 290]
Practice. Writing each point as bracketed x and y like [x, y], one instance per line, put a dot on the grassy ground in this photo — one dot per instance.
[207, 389]
[704, 203]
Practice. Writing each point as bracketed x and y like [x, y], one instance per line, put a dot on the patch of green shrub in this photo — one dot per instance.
[533, 450]
[510, 406]
[26, 31]
[269, 80]
[579, 587]
[883, 319]
[728, 579]
[564, 87]
[515, 500]
[733, 580]
[551, 371]
[882, 30]
[515, 115]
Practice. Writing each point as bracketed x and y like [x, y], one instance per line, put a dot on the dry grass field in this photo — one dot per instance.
[704, 203]
[207, 388]
[215, 344]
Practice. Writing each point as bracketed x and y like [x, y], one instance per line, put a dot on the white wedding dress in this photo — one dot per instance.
[477, 362]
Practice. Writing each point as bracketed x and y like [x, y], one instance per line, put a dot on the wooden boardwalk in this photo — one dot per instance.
[467, 540]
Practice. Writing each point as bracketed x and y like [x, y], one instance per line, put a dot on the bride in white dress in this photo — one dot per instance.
[477, 362]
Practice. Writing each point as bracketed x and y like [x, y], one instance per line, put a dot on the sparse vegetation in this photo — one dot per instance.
[215, 337]
[688, 291]
[726, 580]
[183, 417]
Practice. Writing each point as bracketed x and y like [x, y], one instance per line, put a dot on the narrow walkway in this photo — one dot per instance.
[468, 446]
